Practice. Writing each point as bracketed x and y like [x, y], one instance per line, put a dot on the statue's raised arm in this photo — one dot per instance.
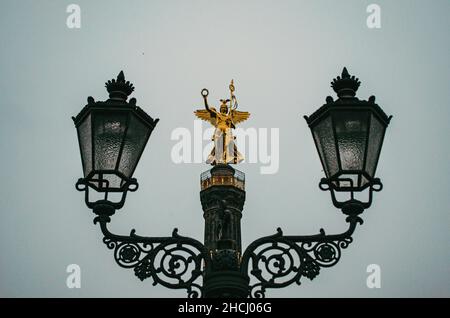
[205, 94]
[208, 114]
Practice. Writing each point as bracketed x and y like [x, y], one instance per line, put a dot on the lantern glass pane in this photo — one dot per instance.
[135, 140]
[324, 138]
[109, 128]
[374, 146]
[351, 134]
[85, 140]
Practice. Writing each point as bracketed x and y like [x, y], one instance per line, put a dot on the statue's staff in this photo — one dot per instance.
[232, 97]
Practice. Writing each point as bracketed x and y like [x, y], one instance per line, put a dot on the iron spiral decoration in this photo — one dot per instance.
[277, 261]
[274, 261]
[174, 262]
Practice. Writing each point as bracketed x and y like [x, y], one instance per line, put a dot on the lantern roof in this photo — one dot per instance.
[346, 86]
[118, 90]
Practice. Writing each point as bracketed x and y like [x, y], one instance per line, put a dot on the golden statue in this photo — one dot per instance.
[225, 150]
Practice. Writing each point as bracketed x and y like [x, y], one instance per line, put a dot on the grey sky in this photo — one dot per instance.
[282, 55]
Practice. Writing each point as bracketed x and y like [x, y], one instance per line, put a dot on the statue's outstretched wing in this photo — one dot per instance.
[238, 116]
[205, 115]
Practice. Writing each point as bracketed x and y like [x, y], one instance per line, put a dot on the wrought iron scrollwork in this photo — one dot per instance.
[174, 262]
[278, 260]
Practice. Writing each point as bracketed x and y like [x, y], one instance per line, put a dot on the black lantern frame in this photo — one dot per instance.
[348, 134]
[112, 136]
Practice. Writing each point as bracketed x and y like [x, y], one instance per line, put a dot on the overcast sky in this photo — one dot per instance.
[282, 56]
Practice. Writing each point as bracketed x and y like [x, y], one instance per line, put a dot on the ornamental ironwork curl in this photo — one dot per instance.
[277, 261]
[174, 262]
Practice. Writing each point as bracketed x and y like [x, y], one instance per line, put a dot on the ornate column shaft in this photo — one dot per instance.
[222, 196]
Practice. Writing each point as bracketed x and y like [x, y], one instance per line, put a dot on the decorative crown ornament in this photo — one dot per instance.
[119, 88]
[345, 86]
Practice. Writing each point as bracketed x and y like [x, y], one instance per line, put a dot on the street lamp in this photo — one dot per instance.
[112, 135]
[348, 134]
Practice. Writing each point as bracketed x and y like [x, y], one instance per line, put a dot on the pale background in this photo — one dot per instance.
[282, 55]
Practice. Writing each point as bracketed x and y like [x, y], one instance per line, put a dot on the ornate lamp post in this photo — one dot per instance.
[348, 134]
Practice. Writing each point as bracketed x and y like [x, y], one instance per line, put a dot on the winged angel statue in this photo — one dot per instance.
[225, 150]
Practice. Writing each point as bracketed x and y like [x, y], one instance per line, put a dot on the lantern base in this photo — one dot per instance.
[352, 207]
[103, 207]
[84, 184]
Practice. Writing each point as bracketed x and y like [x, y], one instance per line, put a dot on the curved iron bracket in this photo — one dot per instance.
[278, 260]
[174, 262]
